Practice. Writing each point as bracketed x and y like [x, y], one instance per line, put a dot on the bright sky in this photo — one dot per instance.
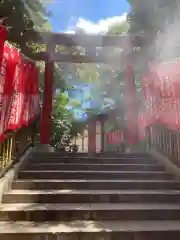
[94, 16]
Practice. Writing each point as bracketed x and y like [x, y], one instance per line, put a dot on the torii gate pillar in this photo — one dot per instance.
[131, 103]
[45, 131]
[92, 135]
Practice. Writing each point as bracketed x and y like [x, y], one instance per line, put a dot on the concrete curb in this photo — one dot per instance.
[7, 179]
[170, 167]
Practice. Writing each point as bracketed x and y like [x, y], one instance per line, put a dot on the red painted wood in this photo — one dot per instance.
[131, 103]
[45, 132]
[102, 135]
[92, 136]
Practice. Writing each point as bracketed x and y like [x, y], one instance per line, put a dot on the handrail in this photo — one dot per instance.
[15, 144]
[165, 141]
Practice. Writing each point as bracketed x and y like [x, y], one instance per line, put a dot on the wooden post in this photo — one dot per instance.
[45, 132]
[92, 136]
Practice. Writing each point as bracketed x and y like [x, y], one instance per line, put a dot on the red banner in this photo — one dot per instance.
[2, 40]
[2, 83]
[9, 64]
[19, 93]
[161, 94]
[149, 99]
[113, 138]
[13, 63]
[166, 78]
[25, 91]
[17, 98]
[2, 73]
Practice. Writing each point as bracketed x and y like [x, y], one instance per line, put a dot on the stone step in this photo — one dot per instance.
[107, 154]
[94, 230]
[94, 166]
[102, 184]
[158, 175]
[92, 196]
[84, 211]
[93, 160]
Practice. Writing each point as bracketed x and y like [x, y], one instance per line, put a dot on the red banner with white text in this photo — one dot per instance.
[19, 93]
[2, 40]
[161, 94]
[2, 72]
[10, 63]
[23, 107]
[113, 137]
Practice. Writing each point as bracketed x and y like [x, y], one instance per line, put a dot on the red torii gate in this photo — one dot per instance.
[89, 43]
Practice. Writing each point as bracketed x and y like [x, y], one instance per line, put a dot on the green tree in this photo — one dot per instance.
[24, 18]
[156, 21]
[118, 28]
[64, 127]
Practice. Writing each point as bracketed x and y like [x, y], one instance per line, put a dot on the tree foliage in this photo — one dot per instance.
[64, 126]
[23, 19]
[118, 28]
[152, 16]
[157, 21]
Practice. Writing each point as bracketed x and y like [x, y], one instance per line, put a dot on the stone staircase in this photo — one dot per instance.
[102, 197]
